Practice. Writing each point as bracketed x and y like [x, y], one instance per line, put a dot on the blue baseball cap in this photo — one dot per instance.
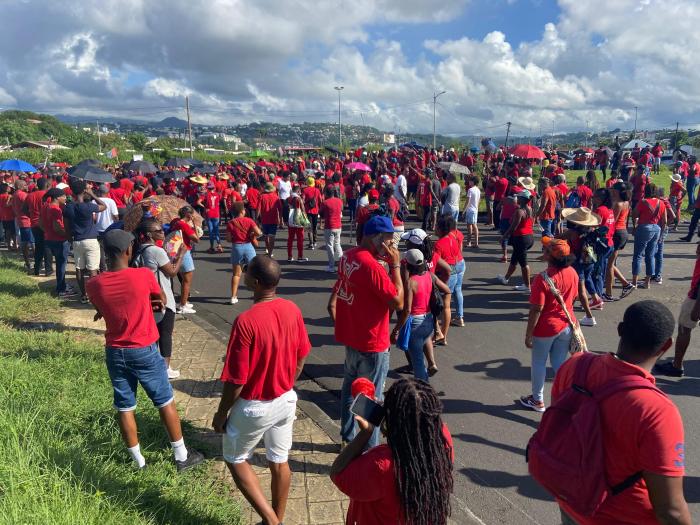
[378, 224]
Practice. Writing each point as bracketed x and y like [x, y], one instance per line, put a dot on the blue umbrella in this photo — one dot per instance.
[16, 165]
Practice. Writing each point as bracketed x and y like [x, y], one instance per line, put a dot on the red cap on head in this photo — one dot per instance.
[362, 385]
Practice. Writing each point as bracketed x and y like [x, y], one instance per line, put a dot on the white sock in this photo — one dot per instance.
[179, 449]
[135, 453]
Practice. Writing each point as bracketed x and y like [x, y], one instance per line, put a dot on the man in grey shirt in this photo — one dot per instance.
[450, 197]
[149, 255]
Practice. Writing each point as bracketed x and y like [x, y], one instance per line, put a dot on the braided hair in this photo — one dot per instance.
[422, 457]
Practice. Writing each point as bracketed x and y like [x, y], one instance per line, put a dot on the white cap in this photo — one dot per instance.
[414, 257]
[415, 236]
[61, 185]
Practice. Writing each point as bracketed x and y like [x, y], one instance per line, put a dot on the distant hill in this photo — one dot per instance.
[171, 122]
[91, 119]
[16, 126]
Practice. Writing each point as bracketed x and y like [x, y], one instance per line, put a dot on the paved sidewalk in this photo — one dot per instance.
[198, 354]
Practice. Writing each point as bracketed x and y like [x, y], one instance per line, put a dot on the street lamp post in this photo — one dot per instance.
[435, 97]
[634, 134]
[340, 129]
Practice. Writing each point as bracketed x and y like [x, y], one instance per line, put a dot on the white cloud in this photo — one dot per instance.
[246, 59]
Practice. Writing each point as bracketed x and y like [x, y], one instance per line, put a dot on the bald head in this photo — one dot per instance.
[265, 270]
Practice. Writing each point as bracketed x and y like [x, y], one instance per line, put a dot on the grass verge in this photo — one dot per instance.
[62, 460]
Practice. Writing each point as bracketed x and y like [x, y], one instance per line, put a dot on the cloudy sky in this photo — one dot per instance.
[542, 64]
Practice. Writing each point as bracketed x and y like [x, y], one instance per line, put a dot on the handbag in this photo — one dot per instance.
[404, 334]
[437, 303]
[578, 342]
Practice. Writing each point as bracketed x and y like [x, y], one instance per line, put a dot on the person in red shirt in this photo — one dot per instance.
[212, 210]
[34, 204]
[185, 224]
[360, 304]
[265, 356]
[331, 211]
[585, 194]
[449, 247]
[520, 237]
[252, 200]
[126, 298]
[23, 222]
[642, 430]
[120, 196]
[649, 219]
[675, 196]
[364, 213]
[56, 237]
[312, 202]
[408, 479]
[657, 151]
[241, 232]
[546, 209]
[270, 212]
[7, 216]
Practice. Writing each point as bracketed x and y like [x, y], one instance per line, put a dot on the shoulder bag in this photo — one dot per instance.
[578, 342]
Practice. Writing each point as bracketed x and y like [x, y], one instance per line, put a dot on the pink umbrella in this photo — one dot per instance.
[359, 166]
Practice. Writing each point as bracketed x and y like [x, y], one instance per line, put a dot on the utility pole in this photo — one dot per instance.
[99, 139]
[189, 124]
[507, 134]
[675, 138]
[634, 135]
[340, 127]
[435, 97]
[586, 140]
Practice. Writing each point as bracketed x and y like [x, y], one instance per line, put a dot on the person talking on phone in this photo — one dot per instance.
[409, 479]
[264, 357]
[364, 296]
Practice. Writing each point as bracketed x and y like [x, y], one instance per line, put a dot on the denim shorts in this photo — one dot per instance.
[187, 263]
[242, 254]
[25, 235]
[128, 367]
[471, 216]
[269, 229]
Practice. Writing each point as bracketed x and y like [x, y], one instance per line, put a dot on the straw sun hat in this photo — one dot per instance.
[581, 216]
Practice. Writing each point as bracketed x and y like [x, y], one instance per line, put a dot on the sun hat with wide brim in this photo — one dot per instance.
[527, 183]
[676, 177]
[198, 179]
[223, 176]
[581, 216]
[269, 187]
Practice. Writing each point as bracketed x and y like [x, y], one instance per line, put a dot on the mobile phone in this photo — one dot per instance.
[368, 409]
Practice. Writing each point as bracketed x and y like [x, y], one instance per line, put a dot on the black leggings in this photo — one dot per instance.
[165, 330]
[521, 244]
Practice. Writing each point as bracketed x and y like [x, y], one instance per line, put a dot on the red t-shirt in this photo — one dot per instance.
[118, 195]
[52, 214]
[265, 345]
[394, 206]
[6, 211]
[370, 482]
[501, 186]
[270, 208]
[124, 300]
[677, 191]
[695, 281]
[331, 211]
[309, 193]
[585, 194]
[549, 206]
[362, 312]
[642, 431]
[607, 219]
[648, 213]
[18, 200]
[553, 319]
[364, 213]
[449, 247]
[34, 203]
[240, 228]
[212, 201]
[127, 185]
[252, 195]
[187, 231]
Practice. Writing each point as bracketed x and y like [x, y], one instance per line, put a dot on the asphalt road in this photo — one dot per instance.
[483, 371]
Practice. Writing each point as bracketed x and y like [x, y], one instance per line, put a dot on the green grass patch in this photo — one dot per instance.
[62, 460]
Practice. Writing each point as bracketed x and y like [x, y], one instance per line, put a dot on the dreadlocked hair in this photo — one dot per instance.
[422, 457]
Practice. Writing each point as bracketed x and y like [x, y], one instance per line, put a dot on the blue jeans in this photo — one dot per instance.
[659, 256]
[557, 349]
[599, 270]
[372, 365]
[421, 330]
[454, 283]
[546, 227]
[128, 367]
[585, 274]
[213, 227]
[646, 239]
[690, 187]
[59, 250]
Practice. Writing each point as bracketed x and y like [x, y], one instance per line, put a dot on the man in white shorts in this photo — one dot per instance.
[265, 355]
[687, 320]
[80, 222]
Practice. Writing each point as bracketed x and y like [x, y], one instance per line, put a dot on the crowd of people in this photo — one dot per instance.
[386, 270]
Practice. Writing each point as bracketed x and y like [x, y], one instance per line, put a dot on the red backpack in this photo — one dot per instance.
[566, 453]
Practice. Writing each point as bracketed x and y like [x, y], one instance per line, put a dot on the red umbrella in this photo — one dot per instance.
[527, 151]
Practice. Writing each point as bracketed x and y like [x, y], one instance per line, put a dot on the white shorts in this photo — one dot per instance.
[251, 420]
[684, 319]
[87, 254]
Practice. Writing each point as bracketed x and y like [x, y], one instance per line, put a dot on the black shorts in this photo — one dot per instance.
[620, 238]
[521, 244]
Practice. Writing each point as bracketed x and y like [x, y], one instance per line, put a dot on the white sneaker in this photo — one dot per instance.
[173, 374]
[330, 269]
[521, 288]
[303, 259]
[189, 305]
[502, 279]
[185, 310]
[234, 300]
[587, 321]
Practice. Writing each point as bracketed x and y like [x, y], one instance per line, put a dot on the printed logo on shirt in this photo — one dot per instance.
[680, 450]
[346, 270]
